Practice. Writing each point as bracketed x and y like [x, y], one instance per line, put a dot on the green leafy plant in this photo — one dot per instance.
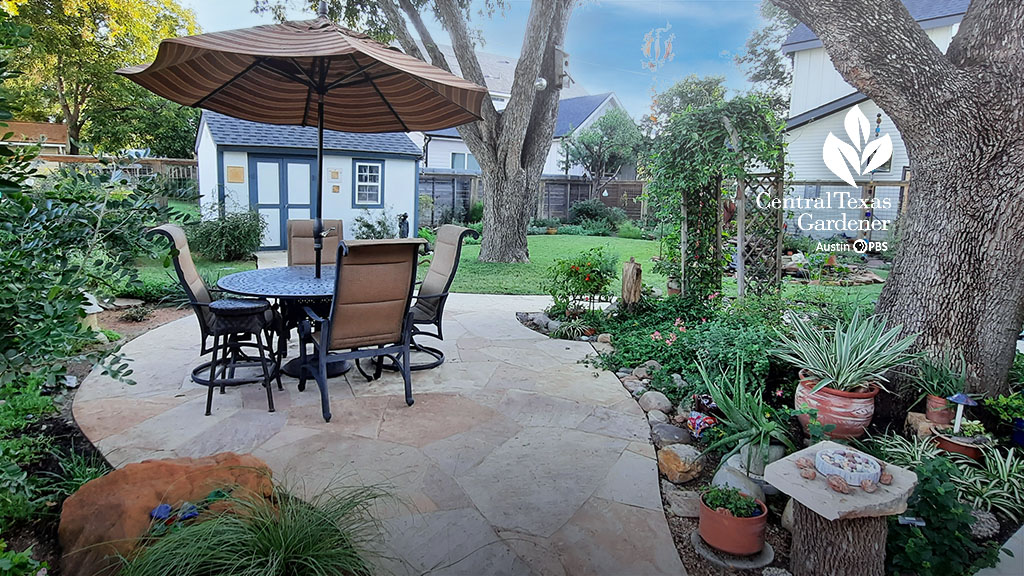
[1006, 408]
[728, 498]
[427, 234]
[746, 420]
[20, 563]
[850, 356]
[546, 223]
[586, 276]
[572, 230]
[595, 210]
[284, 535]
[571, 329]
[942, 375]
[478, 227]
[995, 484]
[943, 546]
[377, 225]
[137, 314]
[630, 230]
[233, 236]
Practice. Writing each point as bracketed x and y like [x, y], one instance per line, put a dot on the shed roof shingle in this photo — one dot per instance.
[228, 131]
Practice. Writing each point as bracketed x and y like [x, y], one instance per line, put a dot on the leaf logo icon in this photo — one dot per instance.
[863, 155]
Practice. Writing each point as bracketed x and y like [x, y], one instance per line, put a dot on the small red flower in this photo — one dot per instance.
[587, 278]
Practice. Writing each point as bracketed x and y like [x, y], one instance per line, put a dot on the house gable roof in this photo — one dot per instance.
[927, 13]
[229, 131]
[572, 112]
[825, 109]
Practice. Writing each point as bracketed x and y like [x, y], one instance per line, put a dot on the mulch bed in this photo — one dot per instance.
[65, 437]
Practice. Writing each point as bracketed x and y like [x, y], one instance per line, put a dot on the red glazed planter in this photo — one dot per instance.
[851, 412]
[732, 535]
[937, 410]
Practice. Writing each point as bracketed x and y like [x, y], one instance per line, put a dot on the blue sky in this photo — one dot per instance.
[604, 39]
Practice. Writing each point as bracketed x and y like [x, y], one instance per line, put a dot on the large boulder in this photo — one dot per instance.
[654, 400]
[680, 463]
[106, 517]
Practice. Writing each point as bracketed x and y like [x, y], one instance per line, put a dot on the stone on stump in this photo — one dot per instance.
[834, 533]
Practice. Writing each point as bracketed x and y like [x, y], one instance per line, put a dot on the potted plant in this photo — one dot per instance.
[1010, 409]
[968, 440]
[745, 420]
[843, 368]
[732, 521]
[937, 378]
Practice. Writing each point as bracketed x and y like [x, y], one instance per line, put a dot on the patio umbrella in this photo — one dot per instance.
[309, 73]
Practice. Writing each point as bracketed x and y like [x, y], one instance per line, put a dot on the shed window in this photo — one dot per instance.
[368, 183]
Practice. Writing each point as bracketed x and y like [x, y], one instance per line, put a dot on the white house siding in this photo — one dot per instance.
[236, 194]
[817, 82]
[206, 156]
[439, 151]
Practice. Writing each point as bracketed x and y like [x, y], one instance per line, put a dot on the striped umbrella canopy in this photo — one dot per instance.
[309, 73]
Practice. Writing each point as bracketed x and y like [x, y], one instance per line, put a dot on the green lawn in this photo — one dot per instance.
[491, 278]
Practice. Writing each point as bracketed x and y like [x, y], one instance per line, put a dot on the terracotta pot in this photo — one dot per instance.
[732, 535]
[851, 412]
[951, 444]
[674, 287]
[938, 410]
[552, 231]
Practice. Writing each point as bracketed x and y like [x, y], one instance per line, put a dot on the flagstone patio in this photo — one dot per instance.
[515, 458]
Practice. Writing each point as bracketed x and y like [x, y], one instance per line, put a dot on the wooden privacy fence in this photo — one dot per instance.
[446, 196]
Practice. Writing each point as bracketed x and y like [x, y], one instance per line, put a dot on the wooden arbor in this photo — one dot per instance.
[759, 232]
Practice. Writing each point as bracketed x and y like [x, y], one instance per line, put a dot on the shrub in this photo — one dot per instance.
[572, 230]
[584, 276]
[546, 223]
[629, 230]
[475, 213]
[20, 563]
[256, 536]
[375, 226]
[594, 209]
[943, 546]
[427, 234]
[536, 230]
[479, 228]
[234, 236]
[739, 505]
[597, 227]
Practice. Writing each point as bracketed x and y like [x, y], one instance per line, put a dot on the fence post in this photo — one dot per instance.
[741, 221]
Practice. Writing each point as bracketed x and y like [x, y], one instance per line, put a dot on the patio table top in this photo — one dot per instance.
[284, 282]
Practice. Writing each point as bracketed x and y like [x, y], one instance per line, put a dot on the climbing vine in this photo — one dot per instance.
[697, 150]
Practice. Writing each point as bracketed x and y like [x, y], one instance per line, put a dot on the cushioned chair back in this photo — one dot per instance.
[443, 266]
[300, 242]
[373, 291]
[193, 284]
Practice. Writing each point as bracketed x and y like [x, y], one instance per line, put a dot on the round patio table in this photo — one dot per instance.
[293, 287]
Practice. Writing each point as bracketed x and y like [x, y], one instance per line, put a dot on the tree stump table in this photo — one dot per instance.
[834, 533]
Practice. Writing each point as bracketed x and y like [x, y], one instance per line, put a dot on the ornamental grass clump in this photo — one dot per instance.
[327, 535]
[854, 355]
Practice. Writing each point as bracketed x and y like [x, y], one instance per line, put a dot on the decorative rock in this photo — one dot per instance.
[918, 425]
[664, 434]
[654, 400]
[108, 515]
[677, 379]
[786, 520]
[639, 392]
[652, 366]
[885, 478]
[680, 463]
[541, 320]
[604, 338]
[656, 417]
[634, 385]
[681, 503]
[763, 558]
[641, 372]
[735, 478]
[808, 473]
[736, 462]
[804, 463]
[553, 325]
[985, 526]
[868, 486]
[838, 484]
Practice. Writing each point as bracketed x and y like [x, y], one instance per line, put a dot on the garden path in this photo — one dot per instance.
[515, 459]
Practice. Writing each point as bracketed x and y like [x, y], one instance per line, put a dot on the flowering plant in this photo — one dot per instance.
[585, 277]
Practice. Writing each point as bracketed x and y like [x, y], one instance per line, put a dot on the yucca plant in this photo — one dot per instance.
[850, 356]
[281, 536]
[746, 420]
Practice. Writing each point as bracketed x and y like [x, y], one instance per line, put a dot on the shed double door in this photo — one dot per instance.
[280, 189]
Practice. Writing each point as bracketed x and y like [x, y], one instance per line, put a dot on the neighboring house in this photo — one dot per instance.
[821, 98]
[444, 149]
[269, 168]
[52, 137]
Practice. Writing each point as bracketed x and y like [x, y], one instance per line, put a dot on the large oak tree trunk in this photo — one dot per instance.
[506, 214]
[958, 278]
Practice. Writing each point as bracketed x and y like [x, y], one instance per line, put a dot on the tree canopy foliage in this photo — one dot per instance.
[68, 70]
[766, 67]
[603, 148]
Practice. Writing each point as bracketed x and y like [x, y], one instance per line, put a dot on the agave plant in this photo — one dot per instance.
[854, 354]
[746, 419]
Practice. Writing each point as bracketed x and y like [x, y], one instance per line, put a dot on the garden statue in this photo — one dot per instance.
[403, 225]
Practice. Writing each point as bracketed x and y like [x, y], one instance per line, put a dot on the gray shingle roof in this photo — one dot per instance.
[923, 11]
[571, 113]
[228, 131]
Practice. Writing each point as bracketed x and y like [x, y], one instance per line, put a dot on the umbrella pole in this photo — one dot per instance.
[318, 224]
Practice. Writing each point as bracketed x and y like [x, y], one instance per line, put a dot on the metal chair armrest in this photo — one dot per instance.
[313, 315]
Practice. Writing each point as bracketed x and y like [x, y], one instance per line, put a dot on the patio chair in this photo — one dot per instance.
[231, 322]
[433, 293]
[300, 242]
[370, 314]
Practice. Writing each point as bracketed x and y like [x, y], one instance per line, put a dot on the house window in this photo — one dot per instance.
[368, 188]
[463, 161]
